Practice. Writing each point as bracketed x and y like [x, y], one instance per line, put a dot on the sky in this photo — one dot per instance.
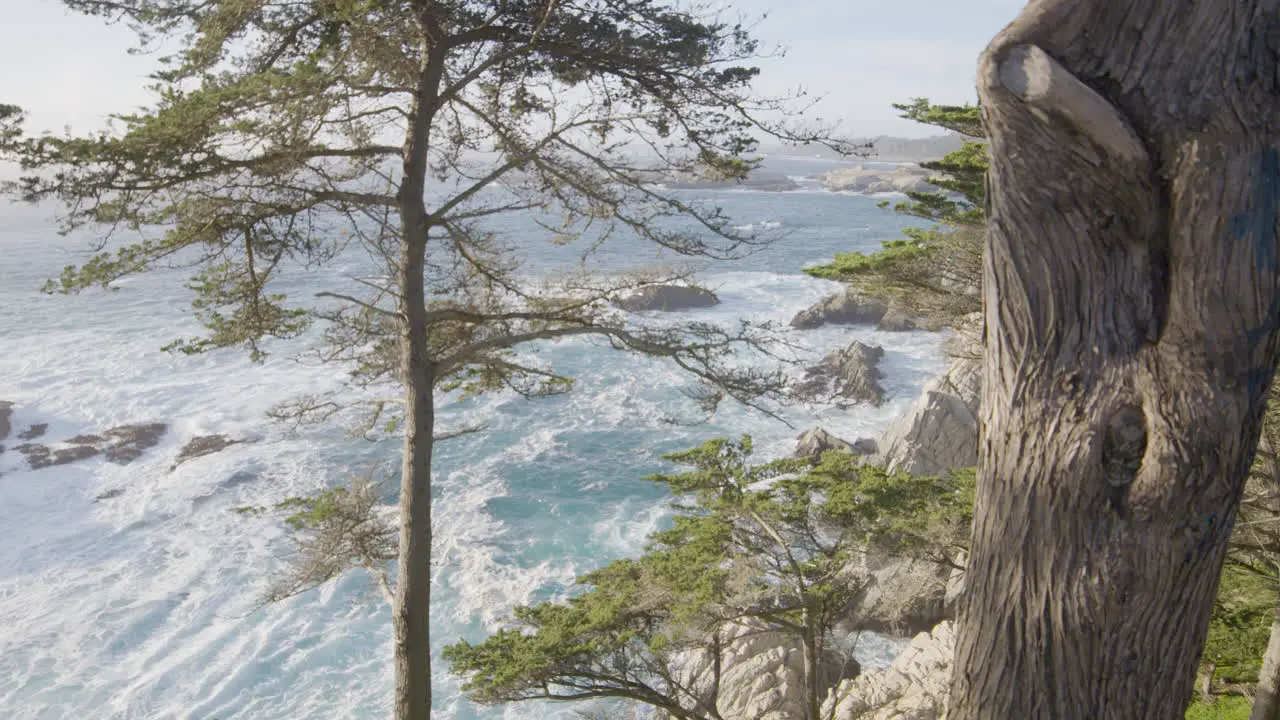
[861, 56]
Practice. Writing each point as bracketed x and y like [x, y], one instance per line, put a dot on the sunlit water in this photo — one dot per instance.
[141, 606]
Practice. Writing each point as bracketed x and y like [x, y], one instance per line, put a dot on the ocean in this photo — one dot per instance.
[141, 604]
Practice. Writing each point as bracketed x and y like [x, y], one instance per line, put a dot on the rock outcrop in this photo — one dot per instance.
[667, 297]
[851, 308]
[913, 688]
[852, 373]
[898, 596]
[762, 675]
[940, 432]
[815, 441]
[897, 319]
[847, 308]
[904, 179]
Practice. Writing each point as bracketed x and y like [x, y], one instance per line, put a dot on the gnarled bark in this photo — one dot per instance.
[1130, 300]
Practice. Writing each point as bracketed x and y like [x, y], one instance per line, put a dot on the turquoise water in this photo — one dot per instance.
[141, 606]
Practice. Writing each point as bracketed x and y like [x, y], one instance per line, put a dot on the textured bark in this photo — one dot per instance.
[1130, 304]
[411, 608]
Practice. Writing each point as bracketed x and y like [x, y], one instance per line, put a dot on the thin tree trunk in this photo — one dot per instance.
[1130, 303]
[412, 606]
[1266, 705]
[813, 704]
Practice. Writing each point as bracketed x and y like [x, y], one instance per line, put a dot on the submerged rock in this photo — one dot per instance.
[108, 494]
[202, 445]
[42, 456]
[121, 445]
[667, 297]
[87, 439]
[915, 687]
[34, 431]
[6, 412]
[852, 373]
[132, 440]
[848, 308]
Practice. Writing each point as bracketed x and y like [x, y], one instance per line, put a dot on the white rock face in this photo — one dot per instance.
[940, 432]
[913, 688]
[762, 675]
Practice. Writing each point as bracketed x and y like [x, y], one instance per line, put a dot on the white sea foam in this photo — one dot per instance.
[141, 605]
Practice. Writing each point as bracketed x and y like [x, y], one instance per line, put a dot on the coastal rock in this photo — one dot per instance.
[940, 432]
[852, 373]
[667, 297]
[202, 445]
[898, 596]
[762, 675]
[847, 308]
[897, 319]
[815, 441]
[909, 178]
[865, 446]
[913, 688]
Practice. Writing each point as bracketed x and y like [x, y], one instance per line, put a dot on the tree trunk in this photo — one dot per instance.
[813, 703]
[1130, 306]
[412, 606]
[1266, 704]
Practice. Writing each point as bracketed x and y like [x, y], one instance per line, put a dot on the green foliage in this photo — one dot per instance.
[1229, 707]
[751, 543]
[277, 130]
[1241, 626]
[964, 119]
[933, 273]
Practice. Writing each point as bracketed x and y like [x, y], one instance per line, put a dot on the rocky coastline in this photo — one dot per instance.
[762, 676]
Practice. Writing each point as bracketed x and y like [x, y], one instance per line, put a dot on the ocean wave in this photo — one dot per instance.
[141, 604]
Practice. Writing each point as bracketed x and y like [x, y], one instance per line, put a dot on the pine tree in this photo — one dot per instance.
[282, 132]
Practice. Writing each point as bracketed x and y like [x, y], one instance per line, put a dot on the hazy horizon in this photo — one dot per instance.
[67, 69]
